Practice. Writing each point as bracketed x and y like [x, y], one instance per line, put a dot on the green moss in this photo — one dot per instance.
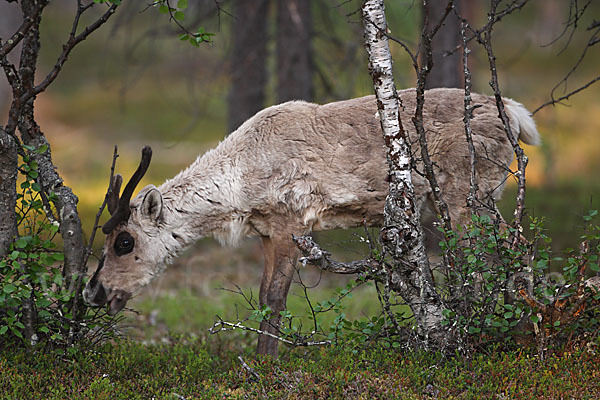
[129, 370]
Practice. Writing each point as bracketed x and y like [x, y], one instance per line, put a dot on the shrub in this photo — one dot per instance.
[36, 302]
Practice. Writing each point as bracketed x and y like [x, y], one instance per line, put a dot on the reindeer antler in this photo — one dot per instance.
[122, 211]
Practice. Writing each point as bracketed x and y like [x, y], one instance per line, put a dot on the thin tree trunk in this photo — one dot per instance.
[447, 69]
[8, 191]
[10, 19]
[248, 69]
[402, 234]
[294, 55]
[66, 204]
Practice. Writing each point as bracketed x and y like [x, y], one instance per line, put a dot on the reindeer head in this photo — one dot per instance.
[130, 258]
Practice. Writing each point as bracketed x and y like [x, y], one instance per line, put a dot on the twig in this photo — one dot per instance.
[492, 20]
[88, 250]
[248, 368]
[486, 42]
[16, 37]
[566, 97]
[224, 325]
[468, 115]
[422, 74]
[68, 47]
[591, 42]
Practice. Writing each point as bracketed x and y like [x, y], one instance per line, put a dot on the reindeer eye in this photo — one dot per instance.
[124, 244]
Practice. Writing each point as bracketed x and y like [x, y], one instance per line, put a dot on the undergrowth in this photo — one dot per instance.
[130, 370]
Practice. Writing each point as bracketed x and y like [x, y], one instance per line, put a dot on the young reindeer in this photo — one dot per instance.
[291, 169]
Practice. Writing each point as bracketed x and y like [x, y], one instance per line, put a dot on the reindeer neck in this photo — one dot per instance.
[205, 199]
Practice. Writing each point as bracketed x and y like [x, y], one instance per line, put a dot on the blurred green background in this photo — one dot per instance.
[133, 83]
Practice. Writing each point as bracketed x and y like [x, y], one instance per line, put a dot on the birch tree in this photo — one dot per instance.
[402, 236]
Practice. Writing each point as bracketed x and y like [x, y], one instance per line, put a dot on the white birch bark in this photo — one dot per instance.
[402, 235]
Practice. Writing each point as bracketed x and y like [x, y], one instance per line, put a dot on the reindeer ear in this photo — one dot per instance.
[152, 204]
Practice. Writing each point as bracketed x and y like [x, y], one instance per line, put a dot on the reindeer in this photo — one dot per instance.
[291, 169]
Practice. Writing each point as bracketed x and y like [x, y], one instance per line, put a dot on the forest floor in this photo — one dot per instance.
[196, 369]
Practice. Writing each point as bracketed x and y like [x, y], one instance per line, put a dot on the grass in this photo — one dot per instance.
[185, 312]
[197, 370]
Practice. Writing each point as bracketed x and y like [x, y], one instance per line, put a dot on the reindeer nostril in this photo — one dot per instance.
[100, 296]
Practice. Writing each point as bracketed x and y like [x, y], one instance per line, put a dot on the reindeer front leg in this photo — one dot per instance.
[280, 259]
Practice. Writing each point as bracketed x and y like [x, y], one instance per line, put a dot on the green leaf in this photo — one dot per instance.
[179, 15]
[21, 243]
[534, 318]
[181, 4]
[42, 303]
[163, 9]
[3, 329]
[16, 332]
[185, 36]
[9, 288]
[474, 329]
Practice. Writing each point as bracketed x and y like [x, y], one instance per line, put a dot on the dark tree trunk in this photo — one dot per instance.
[294, 56]
[447, 70]
[10, 19]
[49, 180]
[8, 191]
[248, 69]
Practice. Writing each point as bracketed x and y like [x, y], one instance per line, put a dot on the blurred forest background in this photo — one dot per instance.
[135, 83]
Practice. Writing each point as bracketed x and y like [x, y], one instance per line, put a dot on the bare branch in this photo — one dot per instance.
[248, 368]
[68, 47]
[315, 255]
[221, 325]
[468, 115]
[88, 249]
[566, 96]
[486, 42]
[492, 20]
[575, 14]
[16, 37]
[422, 74]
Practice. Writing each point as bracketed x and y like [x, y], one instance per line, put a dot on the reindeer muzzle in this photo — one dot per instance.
[97, 295]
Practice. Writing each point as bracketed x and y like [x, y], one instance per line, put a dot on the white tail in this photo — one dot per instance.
[523, 122]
